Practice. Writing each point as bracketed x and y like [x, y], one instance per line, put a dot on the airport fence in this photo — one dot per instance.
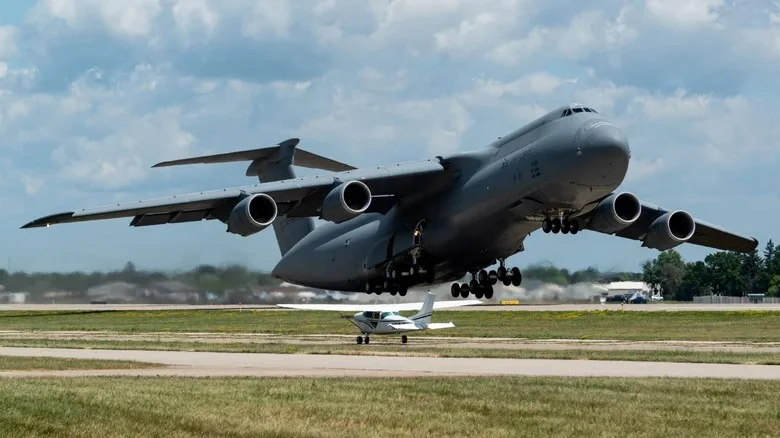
[721, 299]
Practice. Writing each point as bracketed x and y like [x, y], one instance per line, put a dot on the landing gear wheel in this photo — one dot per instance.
[455, 290]
[489, 292]
[464, 290]
[366, 340]
[480, 292]
[556, 226]
[517, 278]
[368, 288]
[359, 340]
[493, 276]
[401, 290]
[501, 273]
[393, 292]
[404, 339]
[482, 277]
[574, 226]
[565, 226]
[430, 275]
[546, 225]
[473, 286]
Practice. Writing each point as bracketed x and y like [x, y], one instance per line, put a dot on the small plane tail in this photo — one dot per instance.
[424, 315]
[270, 164]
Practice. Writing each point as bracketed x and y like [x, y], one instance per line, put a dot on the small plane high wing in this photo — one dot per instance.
[705, 234]
[401, 307]
[298, 197]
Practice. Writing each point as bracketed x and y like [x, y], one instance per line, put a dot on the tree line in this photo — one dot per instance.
[721, 273]
[204, 277]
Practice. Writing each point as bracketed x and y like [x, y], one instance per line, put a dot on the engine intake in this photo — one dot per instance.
[670, 230]
[252, 215]
[346, 201]
[615, 212]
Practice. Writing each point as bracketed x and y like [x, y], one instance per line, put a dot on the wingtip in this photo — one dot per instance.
[47, 221]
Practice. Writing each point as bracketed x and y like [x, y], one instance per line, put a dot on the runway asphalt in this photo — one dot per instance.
[656, 307]
[201, 364]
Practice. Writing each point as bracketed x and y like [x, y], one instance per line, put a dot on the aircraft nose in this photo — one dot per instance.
[606, 142]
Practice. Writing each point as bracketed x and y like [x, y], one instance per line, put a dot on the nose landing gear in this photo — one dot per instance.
[560, 225]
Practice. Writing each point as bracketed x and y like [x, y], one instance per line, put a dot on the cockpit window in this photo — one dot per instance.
[386, 314]
[569, 111]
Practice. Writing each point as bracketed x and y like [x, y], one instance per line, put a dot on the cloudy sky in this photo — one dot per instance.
[93, 92]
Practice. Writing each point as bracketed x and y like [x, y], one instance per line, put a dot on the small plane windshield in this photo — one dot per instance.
[386, 314]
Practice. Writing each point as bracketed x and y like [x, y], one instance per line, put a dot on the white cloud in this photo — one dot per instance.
[685, 13]
[32, 184]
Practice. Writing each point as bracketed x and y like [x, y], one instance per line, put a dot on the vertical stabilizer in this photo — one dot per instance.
[277, 167]
[424, 315]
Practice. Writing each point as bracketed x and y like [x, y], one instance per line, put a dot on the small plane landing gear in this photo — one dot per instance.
[366, 340]
[560, 225]
[404, 339]
[359, 340]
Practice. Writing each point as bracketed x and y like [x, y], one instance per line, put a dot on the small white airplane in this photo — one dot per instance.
[385, 319]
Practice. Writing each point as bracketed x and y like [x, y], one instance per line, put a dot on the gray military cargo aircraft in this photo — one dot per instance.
[391, 227]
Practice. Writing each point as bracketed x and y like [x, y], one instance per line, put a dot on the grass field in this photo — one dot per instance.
[16, 363]
[397, 350]
[102, 407]
[607, 324]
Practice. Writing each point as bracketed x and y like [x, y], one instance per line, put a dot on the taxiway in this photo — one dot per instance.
[202, 364]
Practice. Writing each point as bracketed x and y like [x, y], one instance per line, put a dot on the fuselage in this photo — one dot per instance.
[379, 322]
[557, 164]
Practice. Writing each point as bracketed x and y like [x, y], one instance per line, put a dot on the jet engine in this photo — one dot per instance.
[670, 230]
[346, 201]
[252, 215]
[615, 212]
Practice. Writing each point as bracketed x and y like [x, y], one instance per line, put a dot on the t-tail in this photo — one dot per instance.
[423, 317]
[270, 164]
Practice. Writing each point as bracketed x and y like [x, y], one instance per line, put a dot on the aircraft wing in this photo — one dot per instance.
[705, 234]
[299, 197]
[401, 307]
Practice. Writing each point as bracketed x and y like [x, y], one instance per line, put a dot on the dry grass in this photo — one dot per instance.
[506, 406]
[19, 363]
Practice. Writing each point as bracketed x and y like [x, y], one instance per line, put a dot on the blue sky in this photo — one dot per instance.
[93, 92]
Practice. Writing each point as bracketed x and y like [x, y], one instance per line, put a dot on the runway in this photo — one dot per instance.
[202, 364]
[654, 307]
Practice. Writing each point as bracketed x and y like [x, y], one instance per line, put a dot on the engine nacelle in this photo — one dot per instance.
[252, 215]
[615, 212]
[346, 201]
[672, 229]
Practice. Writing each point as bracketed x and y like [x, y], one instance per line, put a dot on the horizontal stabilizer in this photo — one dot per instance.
[439, 325]
[301, 158]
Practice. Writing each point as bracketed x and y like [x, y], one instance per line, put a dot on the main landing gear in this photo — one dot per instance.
[360, 339]
[397, 279]
[560, 225]
[481, 284]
